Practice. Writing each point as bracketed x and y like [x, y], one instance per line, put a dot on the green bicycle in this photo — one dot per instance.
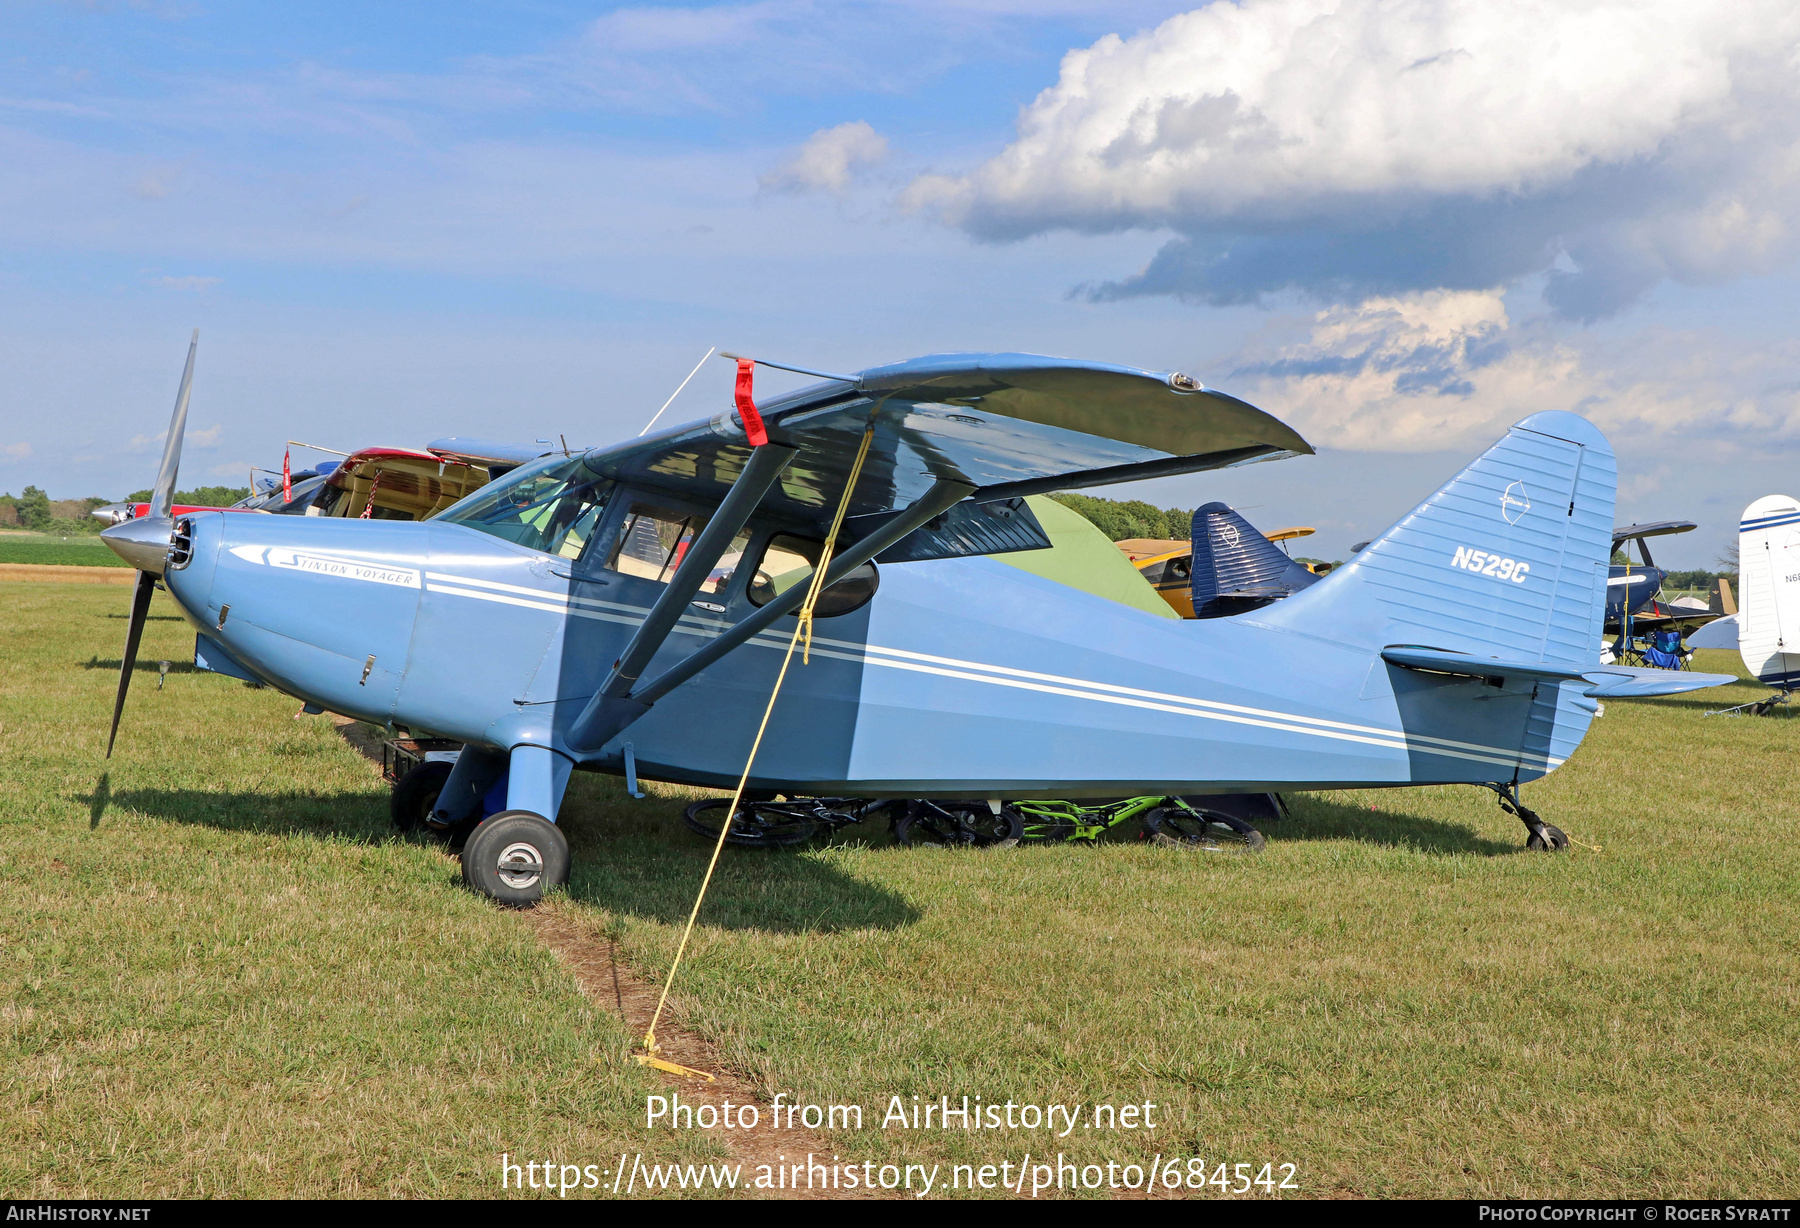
[1166, 820]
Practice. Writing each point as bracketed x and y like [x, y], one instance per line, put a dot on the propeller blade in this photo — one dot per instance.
[162, 495]
[140, 606]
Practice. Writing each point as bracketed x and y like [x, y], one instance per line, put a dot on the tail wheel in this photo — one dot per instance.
[1547, 839]
[1204, 829]
[415, 796]
[515, 857]
[756, 825]
[959, 825]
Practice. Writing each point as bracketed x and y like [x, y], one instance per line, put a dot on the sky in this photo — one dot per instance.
[1397, 225]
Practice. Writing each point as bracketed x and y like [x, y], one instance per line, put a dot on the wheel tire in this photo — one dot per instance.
[1552, 841]
[515, 856]
[1174, 827]
[760, 825]
[959, 825]
[415, 795]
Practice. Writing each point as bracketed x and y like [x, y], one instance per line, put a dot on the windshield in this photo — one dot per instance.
[552, 505]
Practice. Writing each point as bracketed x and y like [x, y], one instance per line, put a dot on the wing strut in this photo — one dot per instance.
[941, 497]
[605, 717]
[613, 699]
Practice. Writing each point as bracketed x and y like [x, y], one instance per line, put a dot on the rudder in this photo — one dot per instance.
[1508, 558]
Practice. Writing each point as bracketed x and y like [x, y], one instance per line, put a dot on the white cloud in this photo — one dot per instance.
[157, 182]
[830, 161]
[1450, 370]
[207, 437]
[189, 283]
[17, 451]
[1347, 146]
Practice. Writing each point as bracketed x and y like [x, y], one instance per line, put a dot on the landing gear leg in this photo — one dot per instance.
[1544, 837]
[457, 808]
[518, 854]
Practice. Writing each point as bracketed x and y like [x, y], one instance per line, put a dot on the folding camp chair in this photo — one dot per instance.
[1665, 651]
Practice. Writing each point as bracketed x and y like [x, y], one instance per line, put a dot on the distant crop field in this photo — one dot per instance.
[56, 551]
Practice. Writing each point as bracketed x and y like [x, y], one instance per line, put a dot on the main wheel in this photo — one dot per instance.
[1551, 840]
[955, 824]
[756, 825]
[515, 856]
[415, 795]
[1205, 829]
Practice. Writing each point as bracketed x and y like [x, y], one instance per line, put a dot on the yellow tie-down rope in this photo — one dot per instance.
[802, 629]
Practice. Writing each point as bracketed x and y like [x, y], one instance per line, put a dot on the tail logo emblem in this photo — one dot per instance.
[1514, 502]
[1229, 533]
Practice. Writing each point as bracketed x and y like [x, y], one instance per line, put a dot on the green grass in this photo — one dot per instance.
[1395, 996]
[219, 975]
[234, 982]
[20, 546]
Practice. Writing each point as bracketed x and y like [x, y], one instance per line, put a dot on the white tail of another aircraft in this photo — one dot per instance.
[1769, 604]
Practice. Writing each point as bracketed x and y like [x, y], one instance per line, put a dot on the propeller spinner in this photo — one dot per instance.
[144, 542]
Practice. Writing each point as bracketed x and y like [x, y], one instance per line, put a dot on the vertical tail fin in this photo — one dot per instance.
[1235, 568]
[1769, 616]
[1508, 558]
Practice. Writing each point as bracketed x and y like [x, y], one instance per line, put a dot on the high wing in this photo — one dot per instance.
[958, 441]
[1007, 425]
[1661, 528]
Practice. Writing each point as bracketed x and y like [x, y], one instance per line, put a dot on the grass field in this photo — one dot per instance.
[220, 975]
[19, 546]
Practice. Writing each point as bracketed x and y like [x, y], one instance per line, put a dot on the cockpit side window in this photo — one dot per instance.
[788, 560]
[552, 506]
[653, 543]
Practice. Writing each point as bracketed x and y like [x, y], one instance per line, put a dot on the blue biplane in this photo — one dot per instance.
[622, 610]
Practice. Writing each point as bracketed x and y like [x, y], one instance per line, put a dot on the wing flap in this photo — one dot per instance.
[967, 529]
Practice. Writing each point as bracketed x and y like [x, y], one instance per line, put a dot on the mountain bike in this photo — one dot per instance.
[958, 825]
[1164, 819]
[774, 824]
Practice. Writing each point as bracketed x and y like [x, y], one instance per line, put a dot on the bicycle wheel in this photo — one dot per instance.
[756, 824]
[958, 824]
[1201, 829]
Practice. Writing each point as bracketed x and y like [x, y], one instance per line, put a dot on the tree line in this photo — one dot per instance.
[35, 510]
[1123, 519]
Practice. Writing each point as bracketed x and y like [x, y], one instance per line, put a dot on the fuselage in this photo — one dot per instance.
[961, 677]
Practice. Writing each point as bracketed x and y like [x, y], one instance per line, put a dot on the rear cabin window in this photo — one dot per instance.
[787, 561]
[552, 506]
[654, 542]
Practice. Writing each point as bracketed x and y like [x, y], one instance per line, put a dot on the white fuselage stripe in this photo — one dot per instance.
[999, 675]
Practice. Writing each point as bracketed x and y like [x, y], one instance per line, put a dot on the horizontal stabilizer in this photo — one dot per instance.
[1629, 682]
[1439, 661]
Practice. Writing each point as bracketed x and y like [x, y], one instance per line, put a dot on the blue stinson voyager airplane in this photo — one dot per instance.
[623, 610]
